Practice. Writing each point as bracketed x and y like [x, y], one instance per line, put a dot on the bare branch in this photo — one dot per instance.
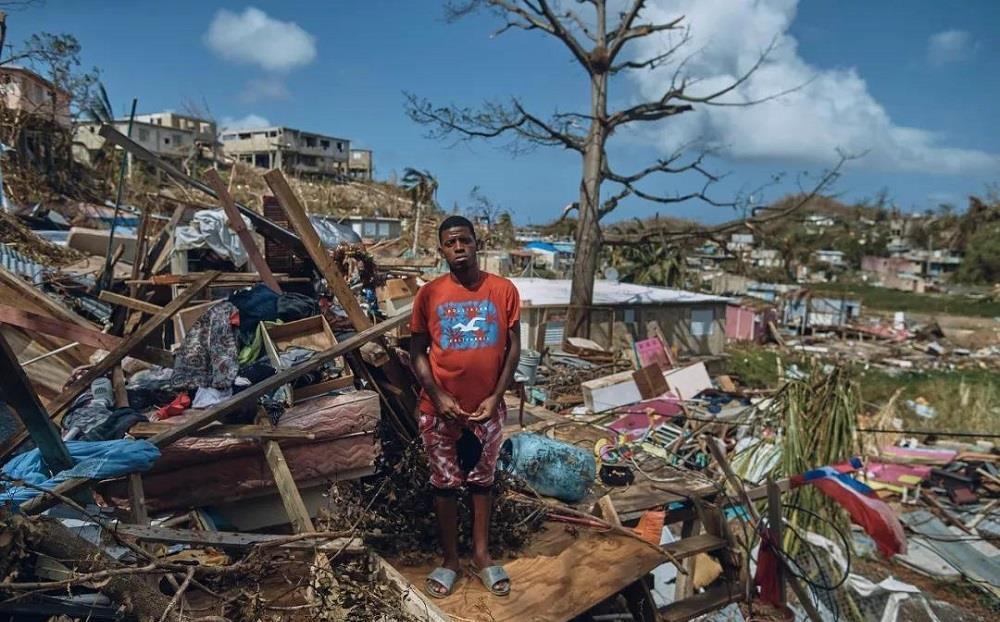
[620, 38]
[696, 231]
[664, 165]
[494, 120]
[654, 61]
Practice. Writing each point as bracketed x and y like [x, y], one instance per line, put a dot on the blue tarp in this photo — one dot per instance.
[93, 460]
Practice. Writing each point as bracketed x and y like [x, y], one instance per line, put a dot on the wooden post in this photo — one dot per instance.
[236, 224]
[137, 499]
[314, 246]
[295, 507]
[16, 391]
[140, 250]
[774, 527]
[118, 385]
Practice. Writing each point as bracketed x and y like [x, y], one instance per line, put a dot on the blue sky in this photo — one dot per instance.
[914, 85]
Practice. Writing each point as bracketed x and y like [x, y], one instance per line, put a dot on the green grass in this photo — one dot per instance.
[894, 300]
[966, 400]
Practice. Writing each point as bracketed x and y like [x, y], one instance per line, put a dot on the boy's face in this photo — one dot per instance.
[458, 246]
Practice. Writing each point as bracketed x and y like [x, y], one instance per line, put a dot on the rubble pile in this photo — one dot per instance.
[216, 430]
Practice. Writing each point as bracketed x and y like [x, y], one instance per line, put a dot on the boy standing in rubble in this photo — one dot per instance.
[465, 345]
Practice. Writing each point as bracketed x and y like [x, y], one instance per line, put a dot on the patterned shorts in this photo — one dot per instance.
[440, 436]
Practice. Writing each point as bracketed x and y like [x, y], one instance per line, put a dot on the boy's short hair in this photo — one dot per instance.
[456, 221]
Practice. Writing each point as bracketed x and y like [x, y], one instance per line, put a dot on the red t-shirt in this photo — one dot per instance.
[468, 334]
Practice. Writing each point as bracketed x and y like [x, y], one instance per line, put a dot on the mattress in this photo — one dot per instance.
[206, 471]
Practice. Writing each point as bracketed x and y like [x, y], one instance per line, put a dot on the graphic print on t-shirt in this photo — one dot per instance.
[468, 325]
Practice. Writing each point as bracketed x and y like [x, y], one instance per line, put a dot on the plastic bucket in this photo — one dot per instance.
[527, 366]
[552, 468]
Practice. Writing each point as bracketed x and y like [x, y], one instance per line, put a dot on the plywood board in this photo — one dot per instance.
[689, 381]
[559, 577]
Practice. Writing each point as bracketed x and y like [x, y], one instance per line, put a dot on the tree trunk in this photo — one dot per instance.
[51, 538]
[588, 230]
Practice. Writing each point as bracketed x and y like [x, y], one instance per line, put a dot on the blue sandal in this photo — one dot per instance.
[444, 577]
[491, 576]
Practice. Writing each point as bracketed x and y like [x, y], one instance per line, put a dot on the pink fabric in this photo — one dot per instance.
[440, 435]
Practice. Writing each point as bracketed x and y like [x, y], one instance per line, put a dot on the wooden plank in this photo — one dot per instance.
[236, 539]
[160, 253]
[712, 599]
[314, 246]
[689, 547]
[805, 599]
[140, 250]
[152, 428]
[261, 224]
[131, 303]
[236, 224]
[226, 278]
[321, 388]
[86, 335]
[17, 392]
[552, 581]
[210, 415]
[411, 599]
[137, 499]
[298, 515]
[118, 386]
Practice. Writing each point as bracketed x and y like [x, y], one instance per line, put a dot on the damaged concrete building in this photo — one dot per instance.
[290, 150]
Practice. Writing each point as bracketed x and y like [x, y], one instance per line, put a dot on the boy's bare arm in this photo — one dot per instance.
[444, 403]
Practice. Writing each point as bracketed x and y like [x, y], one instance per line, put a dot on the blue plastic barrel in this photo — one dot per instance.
[552, 468]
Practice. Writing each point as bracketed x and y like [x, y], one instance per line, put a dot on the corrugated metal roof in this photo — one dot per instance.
[555, 292]
[19, 264]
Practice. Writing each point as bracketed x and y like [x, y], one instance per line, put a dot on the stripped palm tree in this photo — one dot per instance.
[422, 186]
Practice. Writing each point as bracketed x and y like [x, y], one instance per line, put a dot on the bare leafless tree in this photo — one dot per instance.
[602, 45]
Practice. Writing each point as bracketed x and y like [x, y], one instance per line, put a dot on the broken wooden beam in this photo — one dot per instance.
[226, 278]
[86, 336]
[129, 303]
[314, 246]
[213, 414]
[17, 392]
[237, 225]
[238, 540]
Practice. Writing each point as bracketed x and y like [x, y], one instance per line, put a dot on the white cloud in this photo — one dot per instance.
[832, 110]
[253, 37]
[949, 46]
[245, 122]
[266, 88]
